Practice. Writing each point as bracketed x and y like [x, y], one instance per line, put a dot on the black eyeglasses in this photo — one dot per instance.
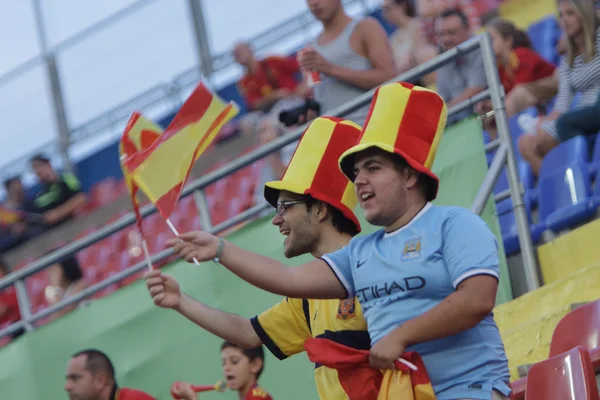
[284, 205]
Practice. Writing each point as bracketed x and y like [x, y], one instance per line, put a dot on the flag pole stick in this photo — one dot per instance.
[172, 228]
[146, 253]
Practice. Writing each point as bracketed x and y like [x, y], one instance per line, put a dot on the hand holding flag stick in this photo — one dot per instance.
[159, 163]
[177, 386]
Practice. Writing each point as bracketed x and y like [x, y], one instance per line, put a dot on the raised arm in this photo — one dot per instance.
[313, 280]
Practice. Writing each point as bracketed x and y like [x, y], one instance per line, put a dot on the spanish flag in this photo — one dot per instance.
[362, 382]
[161, 170]
[405, 120]
[140, 133]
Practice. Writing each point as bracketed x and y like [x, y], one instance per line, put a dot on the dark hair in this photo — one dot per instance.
[455, 12]
[9, 181]
[409, 7]
[252, 354]
[508, 30]
[39, 158]
[97, 362]
[70, 267]
[427, 185]
[338, 219]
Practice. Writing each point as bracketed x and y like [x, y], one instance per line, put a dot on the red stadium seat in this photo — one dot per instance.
[118, 241]
[580, 327]
[567, 376]
[105, 191]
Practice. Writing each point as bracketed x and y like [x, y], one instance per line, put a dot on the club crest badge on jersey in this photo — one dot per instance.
[412, 249]
[346, 309]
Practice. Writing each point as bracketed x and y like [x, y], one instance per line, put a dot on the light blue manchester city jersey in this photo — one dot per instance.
[400, 275]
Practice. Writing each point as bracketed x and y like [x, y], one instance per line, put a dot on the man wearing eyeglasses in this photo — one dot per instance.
[314, 203]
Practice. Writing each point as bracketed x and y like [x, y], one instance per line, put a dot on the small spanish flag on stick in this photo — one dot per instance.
[139, 134]
[159, 163]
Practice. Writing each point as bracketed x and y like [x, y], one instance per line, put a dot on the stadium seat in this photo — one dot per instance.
[580, 327]
[105, 191]
[573, 150]
[565, 197]
[508, 227]
[567, 376]
[544, 36]
[594, 166]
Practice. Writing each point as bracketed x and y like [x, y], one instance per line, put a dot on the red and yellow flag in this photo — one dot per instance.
[363, 382]
[161, 170]
[139, 135]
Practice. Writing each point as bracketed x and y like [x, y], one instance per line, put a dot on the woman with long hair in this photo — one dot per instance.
[517, 62]
[579, 71]
[409, 42]
[65, 280]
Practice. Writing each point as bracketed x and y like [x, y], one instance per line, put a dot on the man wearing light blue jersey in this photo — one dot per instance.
[427, 281]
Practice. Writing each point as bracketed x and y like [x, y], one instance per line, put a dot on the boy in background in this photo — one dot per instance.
[241, 370]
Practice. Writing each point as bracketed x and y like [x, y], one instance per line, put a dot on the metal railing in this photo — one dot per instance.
[504, 156]
[161, 92]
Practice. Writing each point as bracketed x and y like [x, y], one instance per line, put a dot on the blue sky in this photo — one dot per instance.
[145, 48]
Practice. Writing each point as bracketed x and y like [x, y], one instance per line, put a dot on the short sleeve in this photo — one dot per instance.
[71, 185]
[284, 327]
[469, 247]
[287, 65]
[476, 73]
[250, 96]
[340, 263]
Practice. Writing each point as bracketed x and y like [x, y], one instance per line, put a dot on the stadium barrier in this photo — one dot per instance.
[151, 347]
[504, 156]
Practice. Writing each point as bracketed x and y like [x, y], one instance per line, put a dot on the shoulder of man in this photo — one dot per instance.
[258, 393]
[133, 394]
[71, 181]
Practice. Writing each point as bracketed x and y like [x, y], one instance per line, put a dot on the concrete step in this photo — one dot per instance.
[527, 323]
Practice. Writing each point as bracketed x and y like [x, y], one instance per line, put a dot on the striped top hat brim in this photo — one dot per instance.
[313, 169]
[406, 120]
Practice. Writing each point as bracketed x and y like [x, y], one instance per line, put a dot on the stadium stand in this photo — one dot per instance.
[538, 328]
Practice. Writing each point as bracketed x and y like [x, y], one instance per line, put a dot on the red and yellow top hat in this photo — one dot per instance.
[407, 120]
[314, 170]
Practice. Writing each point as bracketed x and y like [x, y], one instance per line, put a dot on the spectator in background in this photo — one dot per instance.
[65, 280]
[409, 42]
[9, 305]
[241, 368]
[537, 93]
[428, 11]
[271, 84]
[14, 234]
[60, 195]
[275, 163]
[518, 64]
[465, 77]
[91, 376]
[579, 71]
[352, 56]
